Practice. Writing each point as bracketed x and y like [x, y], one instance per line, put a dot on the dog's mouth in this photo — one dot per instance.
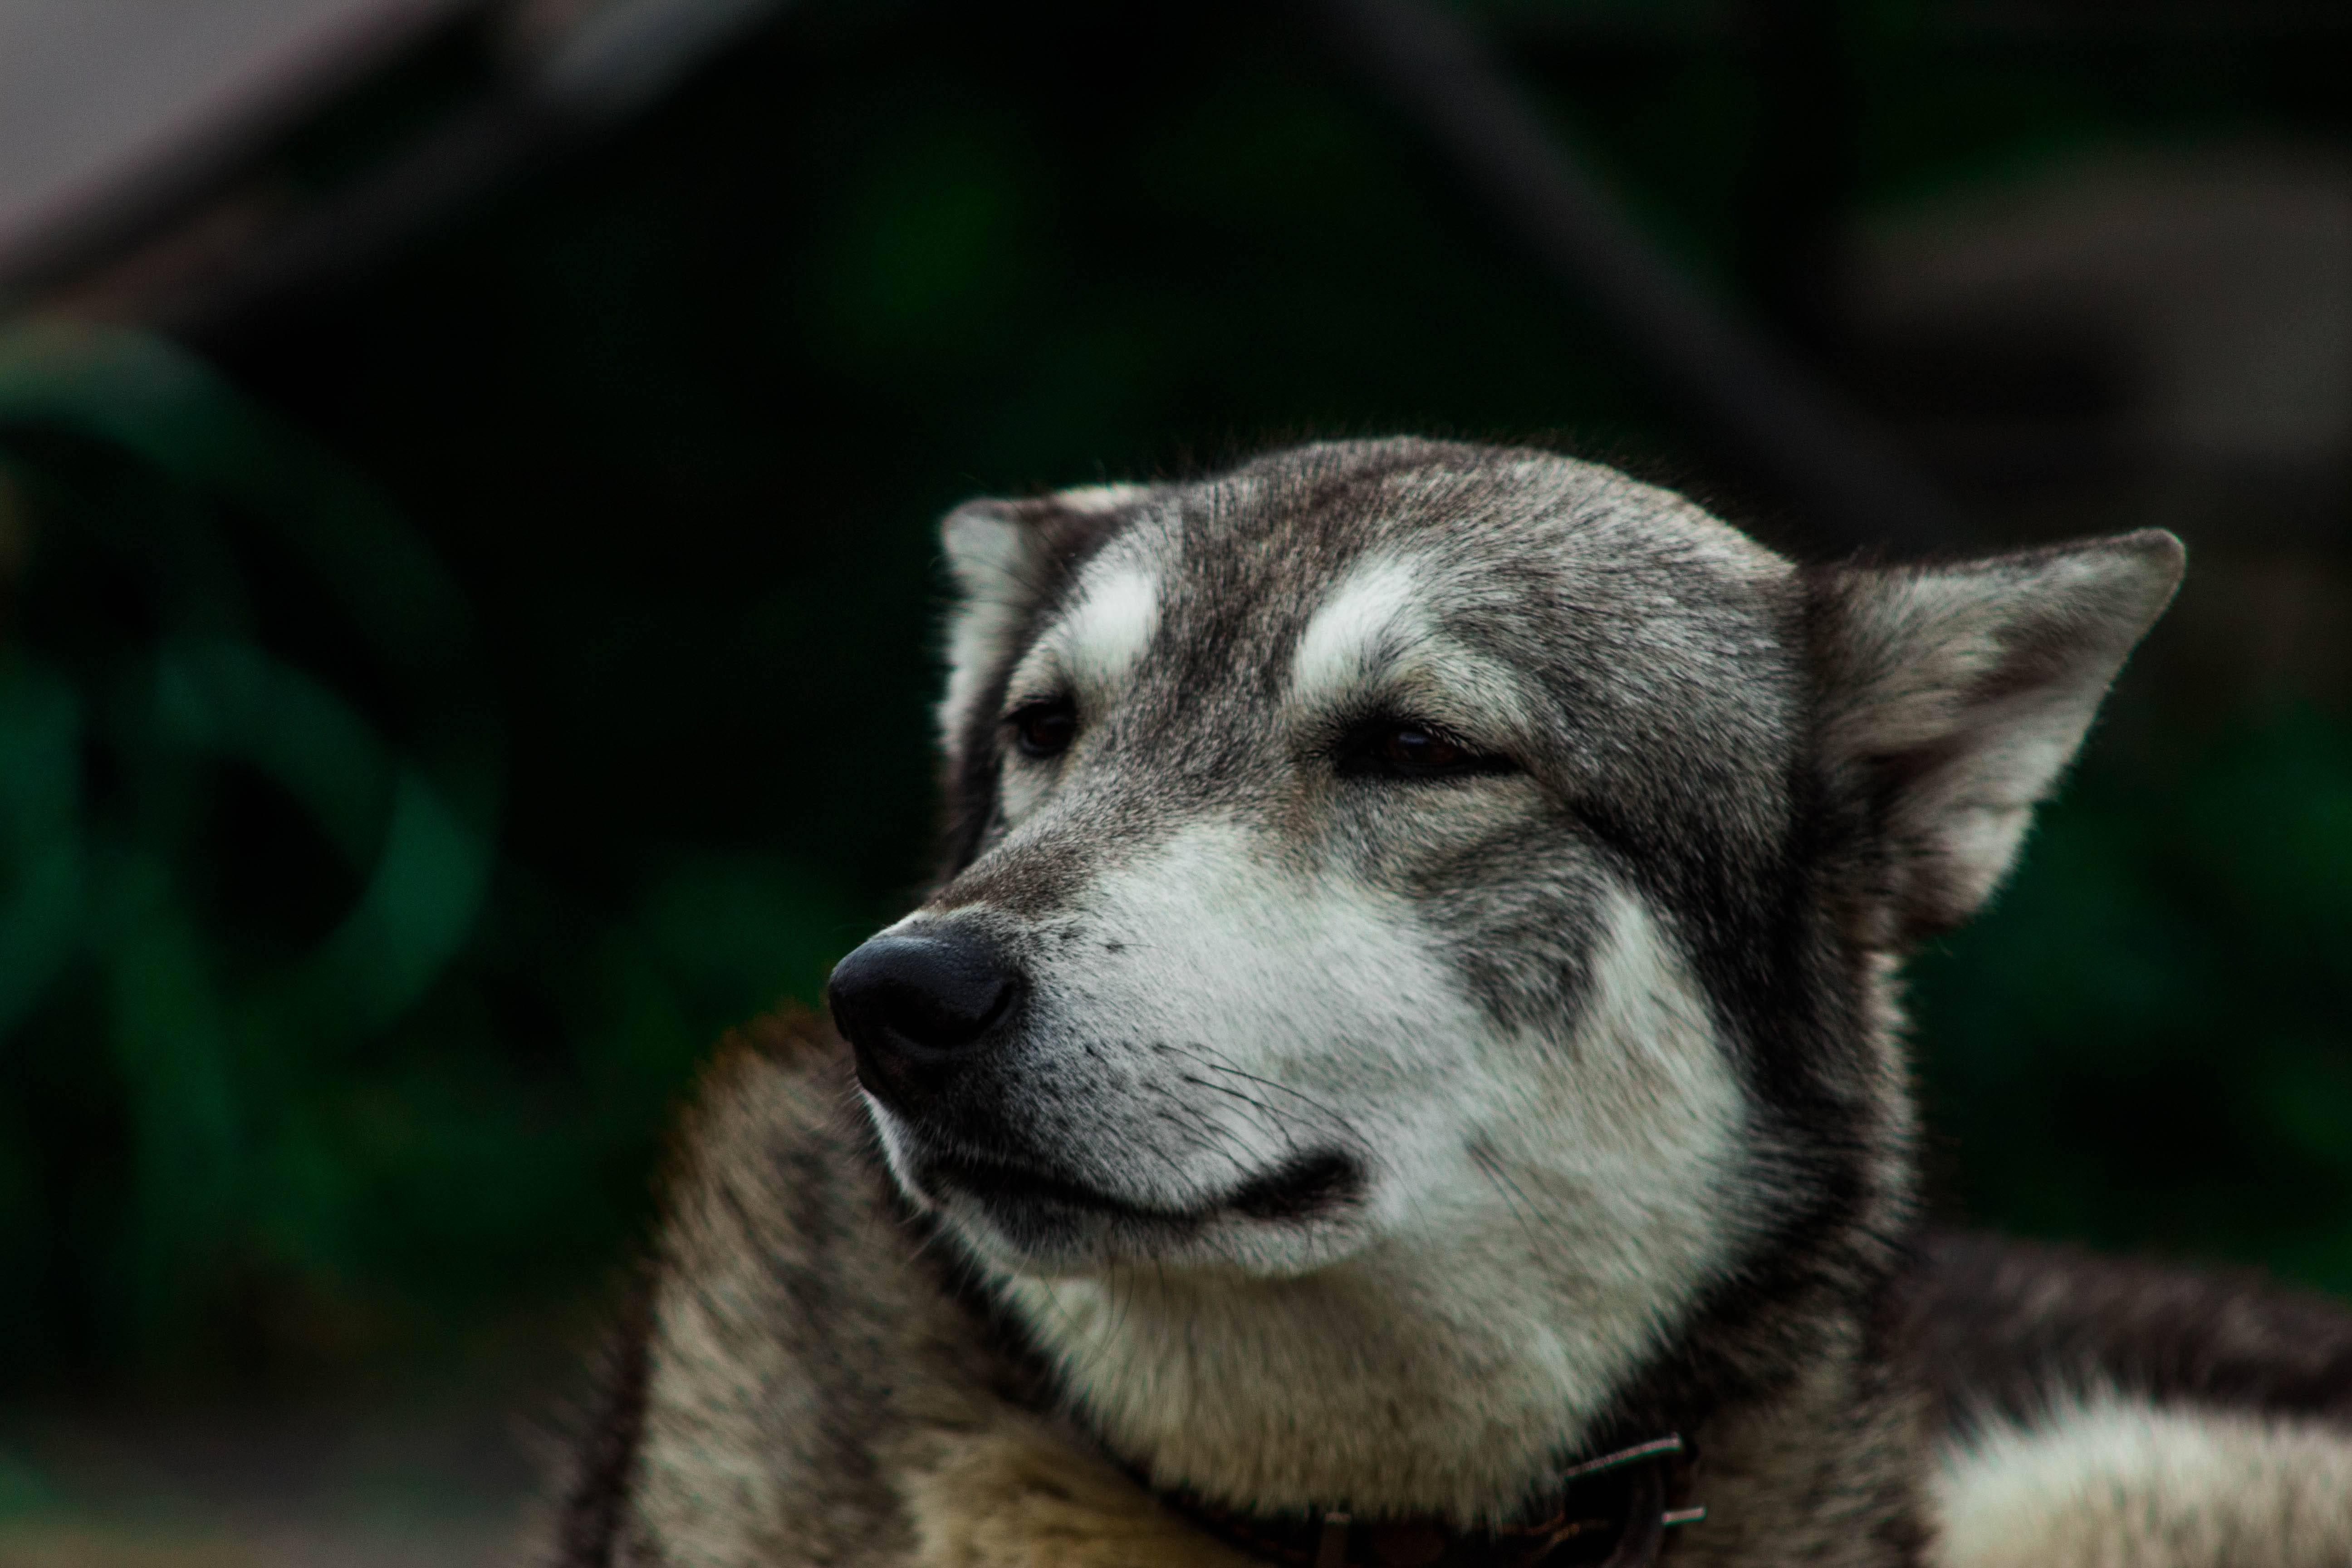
[1045, 1211]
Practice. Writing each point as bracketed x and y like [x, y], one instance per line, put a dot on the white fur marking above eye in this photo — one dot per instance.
[1110, 626]
[1375, 613]
[1379, 636]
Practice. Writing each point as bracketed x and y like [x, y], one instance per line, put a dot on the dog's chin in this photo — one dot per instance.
[1301, 1215]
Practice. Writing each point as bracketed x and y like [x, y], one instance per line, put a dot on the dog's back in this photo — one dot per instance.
[2098, 1410]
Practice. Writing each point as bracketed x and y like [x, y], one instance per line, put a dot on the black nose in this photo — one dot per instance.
[907, 1003]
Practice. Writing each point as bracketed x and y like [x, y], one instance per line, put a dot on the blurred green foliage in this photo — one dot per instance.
[260, 1101]
[2148, 1041]
[423, 727]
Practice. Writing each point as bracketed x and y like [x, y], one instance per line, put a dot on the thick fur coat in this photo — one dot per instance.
[1410, 1003]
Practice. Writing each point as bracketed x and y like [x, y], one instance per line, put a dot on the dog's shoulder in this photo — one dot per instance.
[769, 1139]
[804, 1375]
[785, 1286]
[2107, 1410]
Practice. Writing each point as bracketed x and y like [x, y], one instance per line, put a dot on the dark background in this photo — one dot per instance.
[436, 701]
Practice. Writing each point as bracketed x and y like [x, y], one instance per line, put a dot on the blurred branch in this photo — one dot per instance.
[618, 60]
[1769, 412]
[1975, 26]
[214, 273]
[414, 818]
[129, 124]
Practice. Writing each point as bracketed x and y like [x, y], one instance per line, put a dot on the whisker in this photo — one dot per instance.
[1314, 1104]
[1514, 1198]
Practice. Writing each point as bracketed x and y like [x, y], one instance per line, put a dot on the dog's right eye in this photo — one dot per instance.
[1409, 749]
[1043, 729]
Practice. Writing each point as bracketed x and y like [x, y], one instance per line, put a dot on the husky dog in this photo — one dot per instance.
[1401, 1065]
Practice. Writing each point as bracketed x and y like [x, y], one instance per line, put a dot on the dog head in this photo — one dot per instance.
[1462, 869]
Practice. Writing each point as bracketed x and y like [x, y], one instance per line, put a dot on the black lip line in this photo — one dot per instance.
[1300, 1188]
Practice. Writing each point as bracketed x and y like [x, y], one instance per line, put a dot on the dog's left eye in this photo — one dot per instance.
[1406, 749]
[1044, 729]
[1409, 746]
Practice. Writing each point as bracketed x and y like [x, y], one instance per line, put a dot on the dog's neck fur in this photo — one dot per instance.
[1371, 1385]
[1284, 1396]
[1453, 1370]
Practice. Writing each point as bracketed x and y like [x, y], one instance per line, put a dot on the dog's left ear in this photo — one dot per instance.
[1950, 698]
[1004, 558]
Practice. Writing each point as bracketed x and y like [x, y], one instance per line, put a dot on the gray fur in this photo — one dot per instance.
[1372, 1140]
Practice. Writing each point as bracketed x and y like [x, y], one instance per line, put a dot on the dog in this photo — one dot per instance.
[1402, 1064]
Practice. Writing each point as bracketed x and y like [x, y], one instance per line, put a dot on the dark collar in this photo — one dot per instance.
[1610, 1513]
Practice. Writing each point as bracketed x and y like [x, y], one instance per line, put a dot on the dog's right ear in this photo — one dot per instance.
[1950, 698]
[1005, 559]
[996, 557]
